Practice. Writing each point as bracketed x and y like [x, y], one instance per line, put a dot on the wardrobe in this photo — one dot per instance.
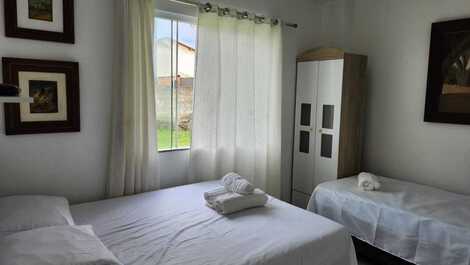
[330, 106]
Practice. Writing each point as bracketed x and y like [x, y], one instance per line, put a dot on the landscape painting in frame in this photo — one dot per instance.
[49, 20]
[40, 9]
[45, 95]
[448, 91]
[54, 88]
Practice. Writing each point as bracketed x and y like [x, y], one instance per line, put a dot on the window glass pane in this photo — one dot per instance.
[305, 112]
[185, 81]
[162, 53]
[326, 145]
[174, 70]
[328, 116]
[175, 58]
[304, 143]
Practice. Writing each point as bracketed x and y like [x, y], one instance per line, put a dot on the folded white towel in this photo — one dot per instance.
[227, 202]
[236, 183]
[368, 181]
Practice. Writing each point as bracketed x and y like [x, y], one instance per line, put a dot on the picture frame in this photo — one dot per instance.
[448, 87]
[54, 86]
[47, 20]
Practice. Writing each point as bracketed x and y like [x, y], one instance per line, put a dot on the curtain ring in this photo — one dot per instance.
[242, 15]
[224, 11]
[207, 7]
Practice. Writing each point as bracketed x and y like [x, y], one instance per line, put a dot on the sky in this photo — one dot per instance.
[186, 31]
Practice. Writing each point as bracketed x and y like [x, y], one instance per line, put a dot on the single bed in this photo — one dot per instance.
[420, 224]
[173, 226]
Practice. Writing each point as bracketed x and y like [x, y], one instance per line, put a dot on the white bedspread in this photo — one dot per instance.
[421, 224]
[174, 226]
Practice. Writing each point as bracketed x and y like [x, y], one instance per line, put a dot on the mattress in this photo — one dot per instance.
[421, 224]
[173, 226]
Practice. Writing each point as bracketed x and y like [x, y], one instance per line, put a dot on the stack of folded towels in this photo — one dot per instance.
[237, 194]
[368, 181]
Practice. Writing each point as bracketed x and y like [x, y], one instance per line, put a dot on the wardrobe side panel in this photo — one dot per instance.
[352, 115]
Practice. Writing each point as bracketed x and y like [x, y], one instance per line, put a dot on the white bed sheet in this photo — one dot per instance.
[174, 226]
[421, 224]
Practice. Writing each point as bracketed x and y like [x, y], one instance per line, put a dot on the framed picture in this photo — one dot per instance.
[49, 20]
[54, 86]
[448, 91]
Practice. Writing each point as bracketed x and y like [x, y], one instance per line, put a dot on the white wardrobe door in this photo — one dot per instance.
[328, 120]
[305, 123]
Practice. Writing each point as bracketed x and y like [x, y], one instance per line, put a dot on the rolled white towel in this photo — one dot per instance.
[227, 202]
[229, 178]
[368, 181]
[210, 195]
[236, 183]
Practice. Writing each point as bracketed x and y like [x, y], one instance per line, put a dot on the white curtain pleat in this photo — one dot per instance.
[237, 102]
[133, 155]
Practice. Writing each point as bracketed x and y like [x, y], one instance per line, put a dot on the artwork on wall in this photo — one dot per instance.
[448, 91]
[54, 86]
[49, 20]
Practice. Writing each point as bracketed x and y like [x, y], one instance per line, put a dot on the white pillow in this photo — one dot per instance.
[58, 245]
[19, 213]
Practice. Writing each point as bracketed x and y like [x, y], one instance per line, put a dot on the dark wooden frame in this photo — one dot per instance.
[12, 29]
[13, 123]
[435, 78]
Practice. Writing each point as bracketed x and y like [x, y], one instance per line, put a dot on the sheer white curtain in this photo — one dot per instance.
[134, 156]
[237, 102]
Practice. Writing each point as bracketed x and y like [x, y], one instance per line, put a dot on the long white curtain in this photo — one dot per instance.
[237, 102]
[134, 156]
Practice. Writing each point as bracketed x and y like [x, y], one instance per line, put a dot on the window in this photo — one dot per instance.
[175, 58]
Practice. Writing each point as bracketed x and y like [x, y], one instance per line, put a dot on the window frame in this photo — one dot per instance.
[175, 16]
[158, 13]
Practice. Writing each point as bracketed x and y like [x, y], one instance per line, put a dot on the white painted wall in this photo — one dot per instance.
[69, 164]
[396, 37]
[174, 168]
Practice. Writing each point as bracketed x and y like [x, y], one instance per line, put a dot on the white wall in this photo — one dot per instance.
[174, 168]
[396, 37]
[69, 164]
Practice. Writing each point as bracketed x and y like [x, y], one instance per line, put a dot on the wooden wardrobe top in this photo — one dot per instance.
[321, 54]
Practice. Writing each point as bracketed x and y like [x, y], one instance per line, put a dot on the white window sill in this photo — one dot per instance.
[174, 150]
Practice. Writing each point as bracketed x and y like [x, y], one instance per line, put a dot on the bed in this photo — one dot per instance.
[417, 223]
[173, 226]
